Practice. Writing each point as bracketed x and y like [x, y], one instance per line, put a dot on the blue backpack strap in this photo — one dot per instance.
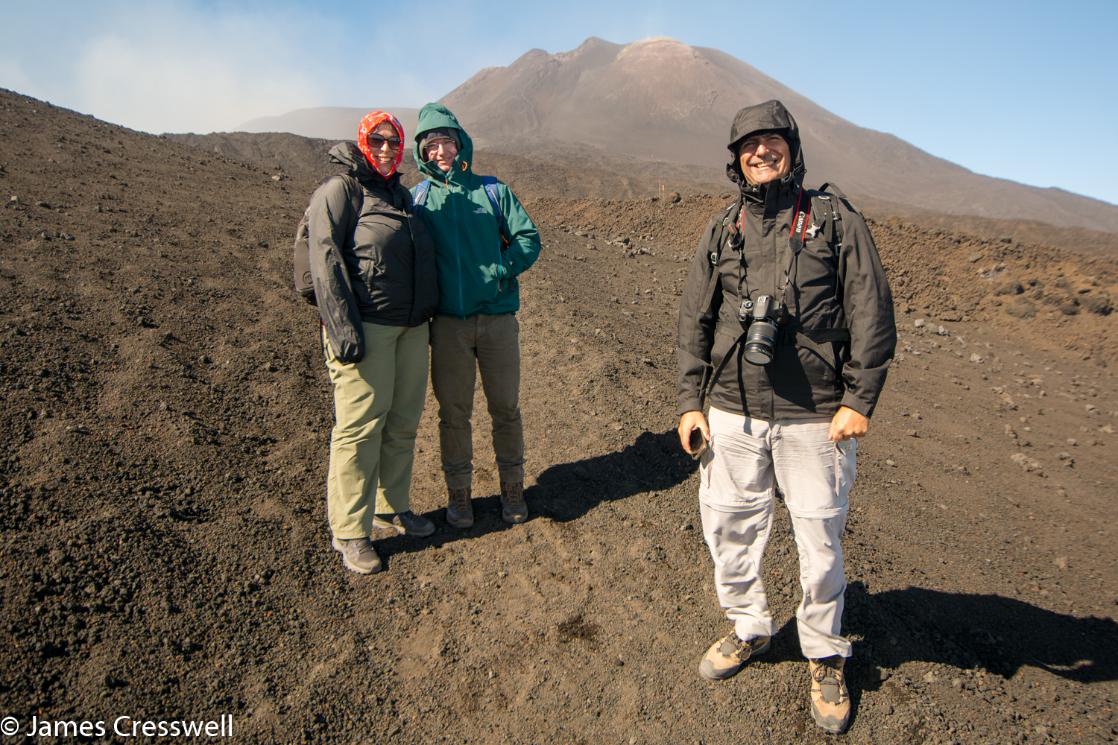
[490, 183]
[421, 189]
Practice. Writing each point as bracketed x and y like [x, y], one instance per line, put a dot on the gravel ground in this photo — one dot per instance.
[163, 440]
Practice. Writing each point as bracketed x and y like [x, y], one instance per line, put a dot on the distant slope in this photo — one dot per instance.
[664, 100]
[576, 175]
[280, 152]
[330, 123]
[611, 178]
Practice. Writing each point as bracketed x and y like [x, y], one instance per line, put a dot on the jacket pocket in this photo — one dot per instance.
[818, 263]
[819, 363]
[369, 268]
[821, 375]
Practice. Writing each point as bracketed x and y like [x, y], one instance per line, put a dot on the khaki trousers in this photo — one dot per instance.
[377, 406]
[746, 459]
[459, 348]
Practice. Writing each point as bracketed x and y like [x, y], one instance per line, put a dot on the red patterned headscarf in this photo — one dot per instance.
[370, 122]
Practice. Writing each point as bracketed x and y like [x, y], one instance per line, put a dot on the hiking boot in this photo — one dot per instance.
[358, 554]
[729, 654]
[405, 523]
[830, 701]
[459, 508]
[513, 507]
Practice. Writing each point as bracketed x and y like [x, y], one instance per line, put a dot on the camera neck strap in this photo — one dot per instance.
[797, 233]
[797, 230]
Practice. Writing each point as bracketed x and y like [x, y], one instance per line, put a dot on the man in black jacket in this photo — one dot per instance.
[788, 318]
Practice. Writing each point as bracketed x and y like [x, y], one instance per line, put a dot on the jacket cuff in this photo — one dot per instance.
[851, 401]
[688, 404]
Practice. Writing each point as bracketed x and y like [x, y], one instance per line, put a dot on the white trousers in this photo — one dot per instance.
[746, 459]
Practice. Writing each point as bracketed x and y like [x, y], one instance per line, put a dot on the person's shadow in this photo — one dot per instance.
[567, 491]
[998, 634]
[989, 632]
[652, 463]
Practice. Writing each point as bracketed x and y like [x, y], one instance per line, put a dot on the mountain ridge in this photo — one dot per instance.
[659, 99]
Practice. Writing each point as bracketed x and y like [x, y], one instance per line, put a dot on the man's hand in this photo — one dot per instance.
[688, 422]
[846, 423]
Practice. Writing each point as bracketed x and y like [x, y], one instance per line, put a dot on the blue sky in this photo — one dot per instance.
[1025, 91]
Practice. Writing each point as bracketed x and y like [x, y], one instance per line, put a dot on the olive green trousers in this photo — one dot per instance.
[378, 403]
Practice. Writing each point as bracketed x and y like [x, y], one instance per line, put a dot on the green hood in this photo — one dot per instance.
[434, 116]
[477, 269]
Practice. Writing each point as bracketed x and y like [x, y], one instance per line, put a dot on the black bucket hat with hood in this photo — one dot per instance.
[770, 116]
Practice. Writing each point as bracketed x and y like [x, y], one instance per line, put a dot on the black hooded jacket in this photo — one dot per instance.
[375, 263]
[828, 290]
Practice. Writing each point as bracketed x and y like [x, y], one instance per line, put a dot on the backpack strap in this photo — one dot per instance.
[490, 183]
[356, 198]
[822, 203]
[829, 195]
[828, 342]
[711, 290]
[711, 297]
[421, 189]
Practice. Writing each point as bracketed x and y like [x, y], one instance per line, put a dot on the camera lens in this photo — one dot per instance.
[760, 341]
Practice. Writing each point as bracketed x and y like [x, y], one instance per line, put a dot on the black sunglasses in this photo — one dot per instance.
[377, 142]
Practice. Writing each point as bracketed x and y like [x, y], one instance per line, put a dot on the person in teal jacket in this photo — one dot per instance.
[478, 260]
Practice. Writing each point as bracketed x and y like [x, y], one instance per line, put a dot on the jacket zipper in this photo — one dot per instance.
[457, 259]
[500, 253]
[774, 232]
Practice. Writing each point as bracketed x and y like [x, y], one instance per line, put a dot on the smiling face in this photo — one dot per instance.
[442, 150]
[764, 157]
[384, 142]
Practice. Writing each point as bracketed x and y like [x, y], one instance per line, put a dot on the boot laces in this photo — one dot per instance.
[828, 675]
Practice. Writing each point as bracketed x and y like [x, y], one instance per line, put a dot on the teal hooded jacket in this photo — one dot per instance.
[477, 272]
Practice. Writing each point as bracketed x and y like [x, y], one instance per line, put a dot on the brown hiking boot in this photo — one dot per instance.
[830, 701]
[513, 507]
[459, 508]
[358, 554]
[729, 654]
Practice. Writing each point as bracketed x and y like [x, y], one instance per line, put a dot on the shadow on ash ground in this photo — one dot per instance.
[164, 429]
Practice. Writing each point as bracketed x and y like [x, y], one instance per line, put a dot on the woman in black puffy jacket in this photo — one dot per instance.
[373, 267]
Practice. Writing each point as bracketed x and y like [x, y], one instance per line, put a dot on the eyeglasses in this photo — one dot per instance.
[376, 142]
[446, 144]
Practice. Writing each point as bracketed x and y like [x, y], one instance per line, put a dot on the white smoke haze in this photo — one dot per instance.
[13, 77]
[188, 88]
[173, 67]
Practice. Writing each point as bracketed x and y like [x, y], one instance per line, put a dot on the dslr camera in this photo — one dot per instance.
[762, 318]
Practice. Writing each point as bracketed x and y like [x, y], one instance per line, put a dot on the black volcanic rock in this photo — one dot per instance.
[165, 414]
